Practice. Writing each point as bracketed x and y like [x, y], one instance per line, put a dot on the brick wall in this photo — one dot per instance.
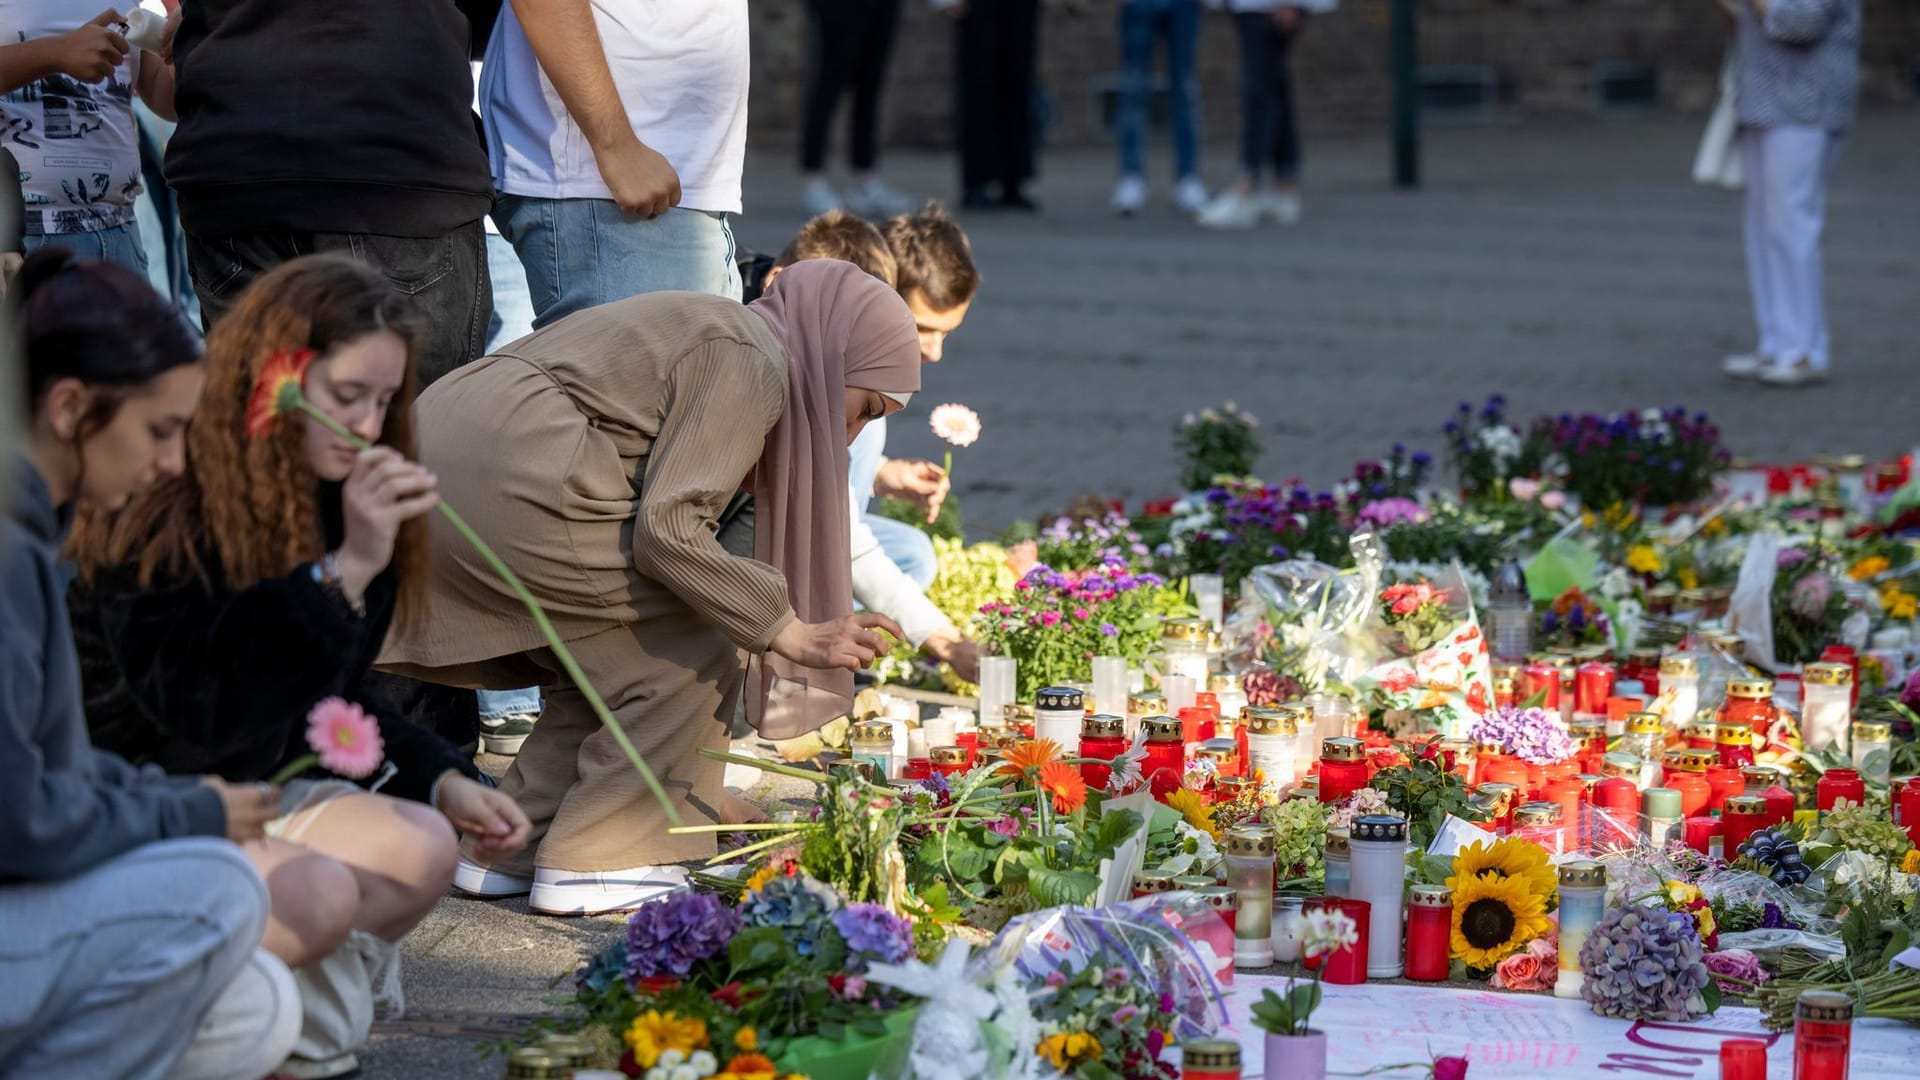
[1543, 53]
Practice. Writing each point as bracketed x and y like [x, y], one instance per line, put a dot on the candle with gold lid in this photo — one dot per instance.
[1872, 749]
[1270, 735]
[1583, 892]
[1249, 854]
[1343, 767]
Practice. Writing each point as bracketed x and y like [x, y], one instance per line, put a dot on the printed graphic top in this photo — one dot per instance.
[76, 142]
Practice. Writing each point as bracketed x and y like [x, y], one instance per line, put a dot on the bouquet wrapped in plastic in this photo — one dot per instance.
[1437, 673]
[1314, 615]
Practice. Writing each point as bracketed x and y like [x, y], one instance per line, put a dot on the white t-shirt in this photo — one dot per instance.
[681, 68]
[77, 144]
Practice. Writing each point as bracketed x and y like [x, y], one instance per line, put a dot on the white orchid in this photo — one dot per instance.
[1328, 930]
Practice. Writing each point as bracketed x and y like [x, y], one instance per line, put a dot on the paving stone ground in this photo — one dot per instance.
[1569, 267]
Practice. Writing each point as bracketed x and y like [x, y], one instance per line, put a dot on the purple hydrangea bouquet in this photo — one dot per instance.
[1532, 735]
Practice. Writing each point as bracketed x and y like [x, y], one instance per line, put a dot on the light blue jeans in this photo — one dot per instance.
[1142, 22]
[512, 305]
[158, 213]
[581, 253]
[109, 973]
[910, 549]
[119, 245]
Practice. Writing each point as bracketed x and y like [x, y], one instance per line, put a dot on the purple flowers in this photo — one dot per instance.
[1810, 596]
[1736, 970]
[1532, 735]
[1385, 513]
[1644, 964]
[668, 937]
[873, 935]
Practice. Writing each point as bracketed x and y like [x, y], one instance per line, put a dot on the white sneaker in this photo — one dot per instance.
[1746, 365]
[1190, 195]
[820, 198]
[1229, 210]
[875, 200]
[476, 880]
[597, 892]
[1129, 195]
[1799, 373]
[1280, 206]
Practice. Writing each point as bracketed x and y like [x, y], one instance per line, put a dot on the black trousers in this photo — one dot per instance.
[445, 275]
[1269, 133]
[998, 46]
[852, 40]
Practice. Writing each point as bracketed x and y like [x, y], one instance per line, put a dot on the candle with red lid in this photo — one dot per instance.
[1429, 932]
[1540, 684]
[1764, 781]
[1837, 784]
[1616, 804]
[1742, 816]
[1592, 687]
[1723, 782]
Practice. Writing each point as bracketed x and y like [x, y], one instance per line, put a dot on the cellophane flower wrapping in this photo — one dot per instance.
[1314, 614]
[1445, 688]
[1162, 941]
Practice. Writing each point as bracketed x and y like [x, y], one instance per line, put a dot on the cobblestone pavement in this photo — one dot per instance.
[1569, 268]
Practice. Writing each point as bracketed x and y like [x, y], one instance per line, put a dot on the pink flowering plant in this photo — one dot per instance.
[1058, 622]
[1417, 613]
[1532, 735]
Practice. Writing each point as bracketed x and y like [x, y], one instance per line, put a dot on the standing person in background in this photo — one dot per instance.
[1177, 24]
[850, 43]
[69, 81]
[340, 127]
[617, 133]
[1798, 84]
[998, 45]
[156, 209]
[1269, 122]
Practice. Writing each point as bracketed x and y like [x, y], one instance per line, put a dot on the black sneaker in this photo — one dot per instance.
[504, 734]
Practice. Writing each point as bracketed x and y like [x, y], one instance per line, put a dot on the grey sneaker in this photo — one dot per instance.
[1746, 365]
[504, 734]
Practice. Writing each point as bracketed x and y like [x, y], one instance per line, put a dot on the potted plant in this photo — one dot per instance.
[1294, 1051]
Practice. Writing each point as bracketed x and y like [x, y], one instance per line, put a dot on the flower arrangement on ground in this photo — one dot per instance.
[1069, 544]
[1325, 934]
[1058, 622]
[1533, 735]
[1657, 457]
[1417, 614]
[1232, 528]
[1486, 452]
[1808, 604]
[1424, 789]
[1571, 621]
[1645, 963]
[1216, 443]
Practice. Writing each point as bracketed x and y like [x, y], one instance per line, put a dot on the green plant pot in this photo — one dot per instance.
[852, 1058]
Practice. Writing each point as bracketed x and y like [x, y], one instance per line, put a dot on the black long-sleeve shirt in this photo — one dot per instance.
[207, 679]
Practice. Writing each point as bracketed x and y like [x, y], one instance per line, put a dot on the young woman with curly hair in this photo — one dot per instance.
[215, 612]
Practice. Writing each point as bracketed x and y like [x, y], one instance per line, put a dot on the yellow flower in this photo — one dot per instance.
[1680, 894]
[746, 1039]
[1642, 559]
[1068, 1050]
[1687, 578]
[1898, 603]
[1587, 519]
[1194, 808]
[1715, 526]
[1704, 922]
[1871, 566]
[1911, 863]
[759, 879]
[1508, 858]
[654, 1032]
[1494, 917]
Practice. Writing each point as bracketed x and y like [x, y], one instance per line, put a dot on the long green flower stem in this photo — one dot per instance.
[567, 662]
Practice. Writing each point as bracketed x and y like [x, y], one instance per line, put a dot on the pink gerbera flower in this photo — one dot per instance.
[345, 738]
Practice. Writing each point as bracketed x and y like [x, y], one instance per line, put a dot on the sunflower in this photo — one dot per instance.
[1508, 858]
[1194, 808]
[1065, 784]
[1030, 755]
[654, 1032]
[1494, 917]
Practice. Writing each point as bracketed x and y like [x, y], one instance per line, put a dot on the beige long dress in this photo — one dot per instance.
[596, 456]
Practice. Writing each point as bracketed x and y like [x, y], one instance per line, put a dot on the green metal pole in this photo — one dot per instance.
[1405, 48]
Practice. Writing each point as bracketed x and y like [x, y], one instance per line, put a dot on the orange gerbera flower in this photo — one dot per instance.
[1030, 755]
[278, 389]
[745, 1066]
[1065, 784]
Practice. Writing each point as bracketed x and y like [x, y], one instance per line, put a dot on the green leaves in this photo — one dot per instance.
[1057, 888]
[759, 949]
[1289, 1013]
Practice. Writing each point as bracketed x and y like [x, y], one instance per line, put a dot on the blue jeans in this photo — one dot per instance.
[119, 245]
[581, 253]
[512, 306]
[158, 213]
[109, 972]
[910, 549]
[1177, 22]
[495, 704]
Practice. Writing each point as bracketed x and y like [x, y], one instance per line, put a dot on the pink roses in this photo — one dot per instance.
[1534, 968]
[1406, 599]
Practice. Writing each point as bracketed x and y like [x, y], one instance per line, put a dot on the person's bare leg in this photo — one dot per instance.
[313, 901]
[402, 855]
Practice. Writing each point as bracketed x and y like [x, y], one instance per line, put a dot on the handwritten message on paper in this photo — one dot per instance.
[1530, 1036]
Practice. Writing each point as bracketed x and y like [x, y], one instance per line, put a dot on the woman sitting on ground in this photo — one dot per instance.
[217, 612]
[129, 914]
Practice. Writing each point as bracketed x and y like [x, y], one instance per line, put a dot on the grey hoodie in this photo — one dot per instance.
[65, 807]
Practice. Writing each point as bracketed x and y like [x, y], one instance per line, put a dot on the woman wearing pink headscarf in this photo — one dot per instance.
[608, 457]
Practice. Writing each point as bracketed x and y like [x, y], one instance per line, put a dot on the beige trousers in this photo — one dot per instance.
[671, 684]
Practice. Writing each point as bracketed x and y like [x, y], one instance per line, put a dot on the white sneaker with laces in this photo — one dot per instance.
[820, 198]
[1746, 365]
[1129, 195]
[1280, 206]
[1190, 195]
[1229, 210]
[597, 892]
[476, 880]
[875, 200]
[1799, 373]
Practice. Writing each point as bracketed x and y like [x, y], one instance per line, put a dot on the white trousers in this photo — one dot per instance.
[1785, 209]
